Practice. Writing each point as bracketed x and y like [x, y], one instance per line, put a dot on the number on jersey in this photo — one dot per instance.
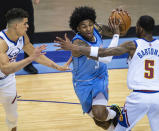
[149, 67]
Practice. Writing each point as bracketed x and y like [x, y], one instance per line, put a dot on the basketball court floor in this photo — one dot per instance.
[47, 101]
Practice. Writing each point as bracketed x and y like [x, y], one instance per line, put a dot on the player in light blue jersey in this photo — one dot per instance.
[90, 77]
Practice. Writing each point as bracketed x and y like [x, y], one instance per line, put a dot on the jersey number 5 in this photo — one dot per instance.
[149, 67]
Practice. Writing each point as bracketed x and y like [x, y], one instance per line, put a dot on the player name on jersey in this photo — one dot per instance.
[148, 51]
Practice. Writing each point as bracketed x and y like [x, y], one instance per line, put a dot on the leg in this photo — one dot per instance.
[153, 113]
[102, 116]
[103, 124]
[132, 112]
[100, 112]
[10, 107]
[14, 129]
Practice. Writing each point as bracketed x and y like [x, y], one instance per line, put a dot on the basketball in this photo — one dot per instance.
[124, 18]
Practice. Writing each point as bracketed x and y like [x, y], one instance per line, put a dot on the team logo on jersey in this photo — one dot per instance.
[13, 54]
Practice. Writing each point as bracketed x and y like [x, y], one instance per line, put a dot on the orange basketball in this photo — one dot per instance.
[124, 18]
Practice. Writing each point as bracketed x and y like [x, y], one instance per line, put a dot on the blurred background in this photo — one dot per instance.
[51, 19]
[53, 15]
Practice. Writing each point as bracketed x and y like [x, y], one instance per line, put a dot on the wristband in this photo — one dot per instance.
[94, 51]
[105, 59]
[114, 41]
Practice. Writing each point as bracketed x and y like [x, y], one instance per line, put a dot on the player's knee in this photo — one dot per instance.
[11, 120]
[99, 112]
[12, 117]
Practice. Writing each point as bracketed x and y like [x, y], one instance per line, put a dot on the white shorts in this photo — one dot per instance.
[137, 105]
[7, 91]
[9, 102]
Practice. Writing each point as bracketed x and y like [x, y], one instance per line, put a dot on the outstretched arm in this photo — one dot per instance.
[127, 47]
[28, 48]
[8, 67]
[78, 42]
[67, 64]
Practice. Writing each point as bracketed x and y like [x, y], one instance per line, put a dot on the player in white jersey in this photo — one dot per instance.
[143, 73]
[12, 40]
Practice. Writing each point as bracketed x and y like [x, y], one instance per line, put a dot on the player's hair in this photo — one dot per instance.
[16, 14]
[147, 23]
[79, 14]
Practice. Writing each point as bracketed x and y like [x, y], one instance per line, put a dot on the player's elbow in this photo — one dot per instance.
[6, 71]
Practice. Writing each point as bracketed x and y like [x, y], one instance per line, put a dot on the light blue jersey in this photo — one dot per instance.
[89, 76]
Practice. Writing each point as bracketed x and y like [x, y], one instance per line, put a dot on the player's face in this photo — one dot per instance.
[22, 27]
[86, 29]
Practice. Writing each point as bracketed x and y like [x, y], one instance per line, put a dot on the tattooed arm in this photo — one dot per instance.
[78, 43]
[127, 47]
[83, 44]
[104, 30]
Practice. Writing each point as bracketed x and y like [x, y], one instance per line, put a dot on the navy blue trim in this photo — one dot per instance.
[23, 41]
[145, 91]
[135, 43]
[147, 40]
[15, 43]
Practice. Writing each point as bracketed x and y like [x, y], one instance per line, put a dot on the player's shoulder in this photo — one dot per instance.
[3, 45]
[80, 42]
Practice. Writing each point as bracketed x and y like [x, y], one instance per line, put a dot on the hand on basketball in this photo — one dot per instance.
[124, 19]
[114, 25]
[63, 44]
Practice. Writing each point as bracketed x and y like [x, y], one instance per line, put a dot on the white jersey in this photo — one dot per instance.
[143, 72]
[13, 50]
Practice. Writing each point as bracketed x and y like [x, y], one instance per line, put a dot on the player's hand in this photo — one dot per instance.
[114, 25]
[63, 44]
[38, 51]
[63, 68]
[123, 11]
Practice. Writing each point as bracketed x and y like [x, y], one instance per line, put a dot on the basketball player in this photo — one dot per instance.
[90, 77]
[143, 73]
[12, 40]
